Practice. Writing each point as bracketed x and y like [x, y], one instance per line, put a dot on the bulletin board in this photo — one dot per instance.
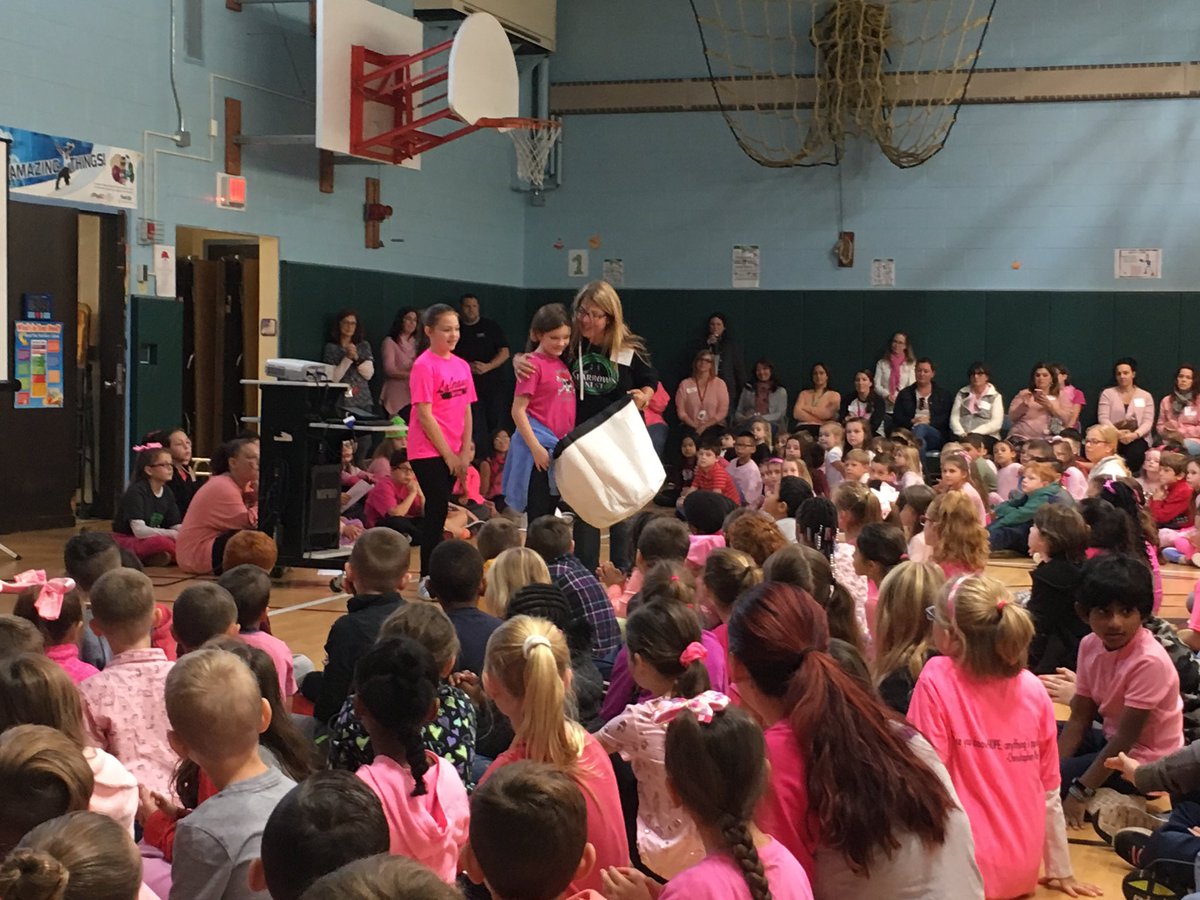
[38, 365]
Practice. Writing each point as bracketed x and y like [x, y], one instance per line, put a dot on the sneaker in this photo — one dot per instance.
[1171, 555]
[423, 589]
[1149, 884]
[337, 582]
[163, 559]
[1110, 811]
[1130, 843]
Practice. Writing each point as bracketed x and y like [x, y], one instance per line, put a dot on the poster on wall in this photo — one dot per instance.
[1137, 263]
[747, 265]
[614, 272]
[883, 272]
[70, 170]
[39, 365]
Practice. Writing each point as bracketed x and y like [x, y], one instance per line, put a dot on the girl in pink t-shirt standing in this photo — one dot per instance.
[992, 723]
[717, 767]
[543, 408]
[442, 393]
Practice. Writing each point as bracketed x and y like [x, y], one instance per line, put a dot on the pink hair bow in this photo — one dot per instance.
[692, 652]
[702, 706]
[153, 445]
[1108, 485]
[50, 599]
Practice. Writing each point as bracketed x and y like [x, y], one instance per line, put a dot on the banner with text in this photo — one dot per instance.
[71, 170]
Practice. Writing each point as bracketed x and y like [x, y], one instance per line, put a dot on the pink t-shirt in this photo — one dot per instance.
[472, 490]
[446, 384]
[999, 742]
[280, 654]
[67, 656]
[718, 877]
[384, 497]
[976, 501]
[783, 811]
[666, 835]
[551, 393]
[125, 713]
[1139, 675]
[218, 506]
[606, 824]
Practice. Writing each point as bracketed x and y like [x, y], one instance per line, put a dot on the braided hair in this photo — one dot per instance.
[719, 770]
[397, 687]
[816, 524]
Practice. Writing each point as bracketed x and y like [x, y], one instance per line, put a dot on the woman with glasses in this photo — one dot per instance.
[607, 362]
[978, 407]
[895, 370]
[1130, 410]
[1100, 447]
[702, 401]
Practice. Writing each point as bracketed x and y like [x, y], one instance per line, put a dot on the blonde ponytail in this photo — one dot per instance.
[530, 658]
[993, 629]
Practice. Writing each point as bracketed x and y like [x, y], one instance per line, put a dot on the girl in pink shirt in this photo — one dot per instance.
[422, 794]
[879, 548]
[60, 624]
[957, 475]
[717, 767]
[666, 659]
[527, 673]
[992, 723]
[956, 540]
[443, 390]
[546, 397]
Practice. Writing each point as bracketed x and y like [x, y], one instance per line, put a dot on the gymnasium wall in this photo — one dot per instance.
[98, 70]
[1054, 187]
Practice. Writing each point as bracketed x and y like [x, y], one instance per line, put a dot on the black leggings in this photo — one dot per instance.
[434, 477]
[539, 502]
[409, 526]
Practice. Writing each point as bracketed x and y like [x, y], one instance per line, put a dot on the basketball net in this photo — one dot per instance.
[796, 79]
[533, 139]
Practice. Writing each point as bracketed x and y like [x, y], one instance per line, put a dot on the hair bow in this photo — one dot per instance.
[702, 706]
[153, 445]
[1108, 485]
[692, 652]
[50, 598]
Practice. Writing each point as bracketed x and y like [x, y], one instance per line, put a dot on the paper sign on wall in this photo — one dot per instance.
[577, 264]
[614, 272]
[164, 270]
[747, 265]
[39, 365]
[883, 272]
[71, 170]
[1139, 263]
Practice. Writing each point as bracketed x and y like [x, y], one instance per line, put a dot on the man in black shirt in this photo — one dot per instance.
[924, 408]
[483, 345]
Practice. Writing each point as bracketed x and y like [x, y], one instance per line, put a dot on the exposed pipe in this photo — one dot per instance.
[181, 136]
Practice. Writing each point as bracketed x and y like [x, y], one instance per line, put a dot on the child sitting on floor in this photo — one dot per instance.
[85, 855]
[251, 591]
[704, 512]
[912, 504]
[1008, 471]
[782, 507]
[1012, 519]
[203, 611]
[710, 474]
[1171, 501]
[58, 616]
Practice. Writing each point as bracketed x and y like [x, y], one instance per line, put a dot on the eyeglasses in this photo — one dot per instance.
[1093, 441]
[589, 314]
[159, 465]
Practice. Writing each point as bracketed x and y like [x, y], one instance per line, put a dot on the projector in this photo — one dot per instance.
[299, 370]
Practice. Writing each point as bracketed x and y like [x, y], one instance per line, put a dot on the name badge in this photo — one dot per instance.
[1139, 402]
[691, 390]
[985, 406]
[1189, 412]
[702, 415]
[625, 358]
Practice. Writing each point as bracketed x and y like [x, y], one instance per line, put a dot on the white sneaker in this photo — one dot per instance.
[423, 588]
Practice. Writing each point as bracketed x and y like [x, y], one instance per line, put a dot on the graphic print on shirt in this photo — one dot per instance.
[599, 373]
[455, 387]
[156, 519]
[565, 384]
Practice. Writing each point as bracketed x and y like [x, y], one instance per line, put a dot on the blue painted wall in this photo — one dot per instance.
[99, 70]
[1055, 187]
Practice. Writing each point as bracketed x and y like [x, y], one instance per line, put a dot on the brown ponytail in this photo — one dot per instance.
[660, 633]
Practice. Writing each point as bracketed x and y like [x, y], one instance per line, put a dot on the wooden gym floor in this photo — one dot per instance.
[303, 608]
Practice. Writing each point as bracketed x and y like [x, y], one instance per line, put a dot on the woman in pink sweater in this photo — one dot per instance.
[398, 352]
[225, 505]
[702, 401]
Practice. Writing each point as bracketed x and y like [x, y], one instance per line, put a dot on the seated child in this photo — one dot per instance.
[704, 512]
[744, 469]
[60, 627]
[326, 821]
[1058, 541]
[456, 582]
[451, 735]
[958, 475]
[250, 588]
[1073, 478]
[217, 712]
[710, 475]
[1125, 677]
[498, 534]
[124, 711]
[86, 557]
[912, 504]
[203, 611]
[976, 449]
[382, 877]
[43, 774]
[147, 520]
[725, 575]
[879, 548]
[87, 855]
[491, 469]
[423, 797]
[906, 464]
[34, 691]
[782, 506]
[1008, 472]
[831, 439]
[468, 494]
[375, 573]
[529, 834]
[856, 466]
[717, 766]
[1012, 519]
[1171, 502]
[396, 502]
[1149, 478]
[551, 537]
[19, 636]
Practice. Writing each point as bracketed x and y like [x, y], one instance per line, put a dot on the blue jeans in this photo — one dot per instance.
[1192, 446]
[658, 437]
[1174, 840]
[587, 545]
[929, 438]
[1089, 748]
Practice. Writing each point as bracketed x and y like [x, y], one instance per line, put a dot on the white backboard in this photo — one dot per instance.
[483, 81]
[340, 25]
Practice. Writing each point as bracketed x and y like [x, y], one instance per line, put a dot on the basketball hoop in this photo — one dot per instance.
[533, 140]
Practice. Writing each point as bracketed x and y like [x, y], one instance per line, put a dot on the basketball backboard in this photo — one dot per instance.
[483, 81]
[340, 25]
